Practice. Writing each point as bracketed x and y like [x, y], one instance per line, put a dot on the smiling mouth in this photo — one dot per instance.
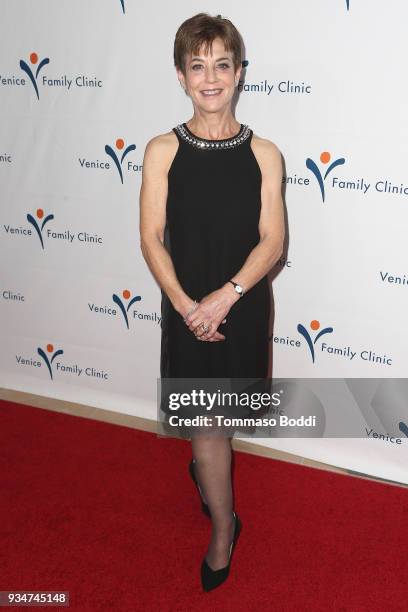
[211, 92]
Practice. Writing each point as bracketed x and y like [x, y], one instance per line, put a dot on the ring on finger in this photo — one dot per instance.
[204, 327]
[202, 324]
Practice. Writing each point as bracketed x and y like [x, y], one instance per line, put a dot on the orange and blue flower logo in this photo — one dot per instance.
[33, 72]
[325, 158]
[48, 360]
[39, 222]
[314, 326]
[124, 308]
[120, 143]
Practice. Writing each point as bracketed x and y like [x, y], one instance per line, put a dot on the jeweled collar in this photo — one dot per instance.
[213, 145]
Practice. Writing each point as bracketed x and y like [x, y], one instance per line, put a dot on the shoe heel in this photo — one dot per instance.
[211, 579]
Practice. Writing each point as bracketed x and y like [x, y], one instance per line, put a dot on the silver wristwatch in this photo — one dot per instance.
[237, 288]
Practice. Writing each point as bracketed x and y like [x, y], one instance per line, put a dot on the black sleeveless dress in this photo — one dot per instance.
[212, 216]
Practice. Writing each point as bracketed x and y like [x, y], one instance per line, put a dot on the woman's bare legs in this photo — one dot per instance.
[212, 456]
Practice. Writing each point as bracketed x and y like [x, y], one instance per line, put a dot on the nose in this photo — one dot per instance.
[211, 74]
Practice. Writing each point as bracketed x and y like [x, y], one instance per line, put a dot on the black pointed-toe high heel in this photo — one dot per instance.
[204, 506]
[210, 579]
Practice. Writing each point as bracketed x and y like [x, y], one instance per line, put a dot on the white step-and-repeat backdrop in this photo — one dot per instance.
[85, 85]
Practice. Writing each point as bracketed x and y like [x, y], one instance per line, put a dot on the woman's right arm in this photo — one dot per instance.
[159, 154]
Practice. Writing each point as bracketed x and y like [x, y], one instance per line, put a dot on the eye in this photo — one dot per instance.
[223, 66]
[196, 66]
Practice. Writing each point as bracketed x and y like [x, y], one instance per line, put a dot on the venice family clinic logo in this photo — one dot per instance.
[33, 77]
[314, 325]
[120, 143]
[123, 307]
[325, 157]
[48, 362]
[37, 226]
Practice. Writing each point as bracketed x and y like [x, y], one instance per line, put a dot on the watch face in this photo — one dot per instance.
[238, 288]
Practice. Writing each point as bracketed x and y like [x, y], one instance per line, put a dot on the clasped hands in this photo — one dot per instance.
[209, 313]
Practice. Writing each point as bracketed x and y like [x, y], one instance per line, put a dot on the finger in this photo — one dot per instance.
[187, 319]
[201, 330]
[194, 323]
[214, 330]
[196, 318]
[192, 317]
[217, 336]
[214, 336]
[209, 331]
[212, 339]
[209, 335]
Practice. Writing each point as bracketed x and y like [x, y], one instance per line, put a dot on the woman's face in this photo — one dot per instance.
[210, 80]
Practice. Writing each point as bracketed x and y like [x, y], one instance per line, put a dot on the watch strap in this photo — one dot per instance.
[240, 293]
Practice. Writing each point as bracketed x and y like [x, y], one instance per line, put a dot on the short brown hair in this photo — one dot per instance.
[202, 29]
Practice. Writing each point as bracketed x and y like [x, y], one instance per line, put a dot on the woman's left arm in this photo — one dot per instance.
[265, 254]
[271, 221]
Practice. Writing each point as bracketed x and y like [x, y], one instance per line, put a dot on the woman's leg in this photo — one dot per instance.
[212, 456]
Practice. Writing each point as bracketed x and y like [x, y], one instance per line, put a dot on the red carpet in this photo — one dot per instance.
[110, 514]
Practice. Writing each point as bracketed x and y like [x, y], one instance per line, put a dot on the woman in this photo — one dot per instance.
[211, 225]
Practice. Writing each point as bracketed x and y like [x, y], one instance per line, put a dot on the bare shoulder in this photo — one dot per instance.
[265, 150]
[160, 151]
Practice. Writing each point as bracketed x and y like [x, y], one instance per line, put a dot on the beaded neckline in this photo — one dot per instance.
[213, 145]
